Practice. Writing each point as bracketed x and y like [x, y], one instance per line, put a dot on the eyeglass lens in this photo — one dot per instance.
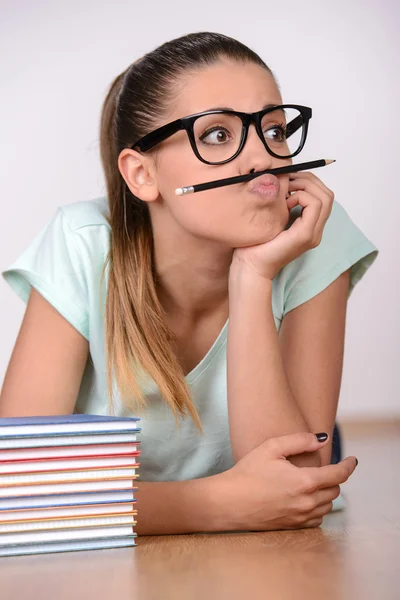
[218, 136]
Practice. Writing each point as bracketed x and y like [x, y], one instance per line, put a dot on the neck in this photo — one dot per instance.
[192, 273]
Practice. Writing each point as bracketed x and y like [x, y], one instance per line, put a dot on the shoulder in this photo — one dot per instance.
[343, 246]
[341, 235]
[88, 213]
[85, 229]
[64, 261]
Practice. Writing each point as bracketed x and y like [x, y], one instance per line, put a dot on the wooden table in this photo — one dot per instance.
[355, 554]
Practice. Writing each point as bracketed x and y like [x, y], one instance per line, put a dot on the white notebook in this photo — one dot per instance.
[66, 440]
[35, 537]
[46, 548]
[57, 498]
[65, 488]
[66, 523]
[71, 475]
[69, 512]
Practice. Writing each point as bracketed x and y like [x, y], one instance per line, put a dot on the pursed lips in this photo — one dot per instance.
[266, 185]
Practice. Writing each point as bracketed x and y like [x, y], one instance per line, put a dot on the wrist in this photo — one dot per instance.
[244, 279]
[225, 510]
[180, 507]
[246, 268]
[219, 507]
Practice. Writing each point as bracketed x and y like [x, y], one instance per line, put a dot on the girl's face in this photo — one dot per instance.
[231, 215]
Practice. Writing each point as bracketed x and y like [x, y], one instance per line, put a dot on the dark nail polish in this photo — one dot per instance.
[321, 437]
[356, 461]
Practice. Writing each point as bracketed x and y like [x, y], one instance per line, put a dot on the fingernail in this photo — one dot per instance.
[356, 461]
[321, 437]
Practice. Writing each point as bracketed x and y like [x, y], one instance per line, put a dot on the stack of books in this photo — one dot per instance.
[67, 483]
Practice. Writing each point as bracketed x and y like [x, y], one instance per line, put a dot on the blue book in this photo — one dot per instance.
[65, 500]
[12, 442]
[78, 424]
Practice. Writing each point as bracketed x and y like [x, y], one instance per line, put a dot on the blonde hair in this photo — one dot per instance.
[138, 339]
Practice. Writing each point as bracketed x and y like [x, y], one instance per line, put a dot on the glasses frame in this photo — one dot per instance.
[160, 134]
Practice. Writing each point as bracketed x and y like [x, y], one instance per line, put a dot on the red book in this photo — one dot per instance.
[75, 451]
[76, 463]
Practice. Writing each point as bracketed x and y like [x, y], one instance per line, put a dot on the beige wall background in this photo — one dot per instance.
[341, 58]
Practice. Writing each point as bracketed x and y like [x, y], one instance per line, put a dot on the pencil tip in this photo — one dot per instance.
[328, 161]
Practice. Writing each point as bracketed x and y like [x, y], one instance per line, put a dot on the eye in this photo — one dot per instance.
[277, 133]
[216, 136]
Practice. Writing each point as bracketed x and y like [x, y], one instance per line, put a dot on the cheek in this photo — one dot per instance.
[180, 168]
[201, 213]
[229, 219]
[226, 215]
[205, 214]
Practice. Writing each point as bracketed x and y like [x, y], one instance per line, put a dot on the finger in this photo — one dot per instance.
[311, 177]
[312, 523]
[326, 495]
[296, 443]
[312, 188]
[329, 475]
[307, 524]
[302, 183]
[319, 512]
[307, 222]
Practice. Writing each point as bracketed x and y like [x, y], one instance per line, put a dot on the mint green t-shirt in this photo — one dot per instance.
[64, 263]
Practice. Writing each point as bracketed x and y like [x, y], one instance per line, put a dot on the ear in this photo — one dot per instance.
[139, 174]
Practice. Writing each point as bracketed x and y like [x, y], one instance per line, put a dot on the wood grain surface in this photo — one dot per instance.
[355, 554]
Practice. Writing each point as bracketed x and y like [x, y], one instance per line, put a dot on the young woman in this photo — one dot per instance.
[128, 297]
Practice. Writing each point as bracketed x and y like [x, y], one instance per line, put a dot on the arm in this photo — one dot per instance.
[314, 375]
[43, 377]
[261, 404]
[46, 365]
[261, 394]
[174, 507]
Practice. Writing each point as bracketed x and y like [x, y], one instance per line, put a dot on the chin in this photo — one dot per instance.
[255, 240]
[264, 231]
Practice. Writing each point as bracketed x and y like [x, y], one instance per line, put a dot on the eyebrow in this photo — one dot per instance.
[229, 108]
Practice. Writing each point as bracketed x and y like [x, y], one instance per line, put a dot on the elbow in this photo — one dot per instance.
[237, 455]
[306, 459]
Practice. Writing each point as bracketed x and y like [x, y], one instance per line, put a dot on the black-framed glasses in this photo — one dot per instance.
[218, 136]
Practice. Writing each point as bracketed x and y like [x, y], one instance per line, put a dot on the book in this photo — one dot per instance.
[67, 487]
[65, 440]
[78, 451]
[67, 482]
[38, 514]
[34, 537]
[56, 464]
[68, 475]
[80, 498]
[65, 425]
[55, 524]
[69, 546]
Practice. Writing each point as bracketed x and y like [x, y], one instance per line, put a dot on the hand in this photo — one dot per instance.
[264, 491]
[305, 232]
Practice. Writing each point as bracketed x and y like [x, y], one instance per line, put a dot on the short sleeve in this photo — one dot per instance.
[343, 246]
[52, 264]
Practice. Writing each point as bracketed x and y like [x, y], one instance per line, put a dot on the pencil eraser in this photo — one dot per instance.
[179, 191]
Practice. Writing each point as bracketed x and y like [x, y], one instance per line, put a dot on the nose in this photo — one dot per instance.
[254, 156]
